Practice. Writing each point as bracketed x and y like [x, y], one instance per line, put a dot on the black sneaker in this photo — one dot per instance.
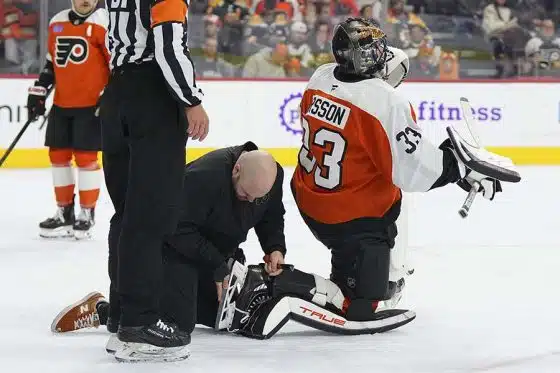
[159, 334]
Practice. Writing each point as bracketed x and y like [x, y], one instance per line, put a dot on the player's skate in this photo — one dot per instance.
[60, 225]
[83, 224]
[79, 315]
[159, 342]
[247, 290]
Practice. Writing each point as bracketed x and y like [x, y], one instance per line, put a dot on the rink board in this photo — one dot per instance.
[520, 120]
[39, 158]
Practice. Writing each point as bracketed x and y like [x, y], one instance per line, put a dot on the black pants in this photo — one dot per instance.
[75, 128]
[144, 133]
[189, 293]
[360, 254]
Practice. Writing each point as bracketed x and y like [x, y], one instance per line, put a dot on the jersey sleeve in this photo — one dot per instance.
[417, 163]
[397, 146]
[168, 22]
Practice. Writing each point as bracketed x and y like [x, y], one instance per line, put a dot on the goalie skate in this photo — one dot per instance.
[226, 309]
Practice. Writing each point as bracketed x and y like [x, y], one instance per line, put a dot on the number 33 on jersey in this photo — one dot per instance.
[361, 146]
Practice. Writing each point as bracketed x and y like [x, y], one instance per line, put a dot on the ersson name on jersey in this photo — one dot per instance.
[329, 111]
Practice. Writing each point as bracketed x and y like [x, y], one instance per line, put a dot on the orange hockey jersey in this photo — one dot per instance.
[361, 145]
[80, 58]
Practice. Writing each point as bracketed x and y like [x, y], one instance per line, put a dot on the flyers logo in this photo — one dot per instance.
[71, 49]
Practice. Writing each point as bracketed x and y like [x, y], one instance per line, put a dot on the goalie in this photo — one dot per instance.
[361, 148]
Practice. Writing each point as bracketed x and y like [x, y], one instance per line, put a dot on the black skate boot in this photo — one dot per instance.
[84, 223]
[60, 225]
[247, 290]
[157, 342]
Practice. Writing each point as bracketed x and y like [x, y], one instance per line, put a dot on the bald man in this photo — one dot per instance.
[226, 193]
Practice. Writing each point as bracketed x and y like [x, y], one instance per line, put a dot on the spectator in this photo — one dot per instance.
[424, 54]
[530, 13]
[298, 46]
[398, 14]
[372, 10]
[504, 34]
[211, 26]
[347, 8]
[209, 65]
[278, 31]
[290, 7]
[233, 16]
[19, 32]
[267, 63]
[321, 44]
[256, 35]
[543, 50]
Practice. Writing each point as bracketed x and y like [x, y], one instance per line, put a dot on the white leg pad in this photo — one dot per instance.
[398, 264]
[326, 291]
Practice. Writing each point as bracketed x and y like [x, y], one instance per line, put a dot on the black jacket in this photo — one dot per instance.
[214, 222]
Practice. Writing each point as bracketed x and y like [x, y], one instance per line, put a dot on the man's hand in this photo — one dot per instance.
[198, 122]
[273, 261]
[220, 287]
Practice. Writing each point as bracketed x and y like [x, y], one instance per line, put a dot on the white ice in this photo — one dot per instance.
[485, 291]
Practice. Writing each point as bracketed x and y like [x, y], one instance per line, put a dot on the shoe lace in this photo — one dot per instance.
[163, 326]
[85, 215]
[86, 321]
[58, 215]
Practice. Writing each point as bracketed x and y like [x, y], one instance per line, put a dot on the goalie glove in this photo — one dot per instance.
[488, 185]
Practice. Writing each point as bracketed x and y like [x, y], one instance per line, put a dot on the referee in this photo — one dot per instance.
[149, 107]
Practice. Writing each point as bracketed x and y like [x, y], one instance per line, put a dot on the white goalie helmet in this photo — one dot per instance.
[396, 67]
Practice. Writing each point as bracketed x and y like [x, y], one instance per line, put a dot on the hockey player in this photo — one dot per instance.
[226, 193]
[361, 148]
[77, 65]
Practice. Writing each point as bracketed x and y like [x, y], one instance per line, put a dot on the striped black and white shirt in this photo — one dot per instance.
[144, 30]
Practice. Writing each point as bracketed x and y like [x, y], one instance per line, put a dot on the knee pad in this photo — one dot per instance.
[86, 159]
[60, 157]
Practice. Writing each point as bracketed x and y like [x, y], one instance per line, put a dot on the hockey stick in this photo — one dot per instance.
[13, 144]
[469, 119]
[20, 134]
[45, 118]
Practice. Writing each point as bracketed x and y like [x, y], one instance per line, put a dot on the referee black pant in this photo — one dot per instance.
[144, 134]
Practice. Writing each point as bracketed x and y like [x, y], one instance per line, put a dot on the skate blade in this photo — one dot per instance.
[61, 232]
[139, 353]
[82, 235]
[114, 344]
[226, 308]
[67, 309]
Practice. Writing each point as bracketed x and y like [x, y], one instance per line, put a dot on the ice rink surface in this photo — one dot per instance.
[486, 291]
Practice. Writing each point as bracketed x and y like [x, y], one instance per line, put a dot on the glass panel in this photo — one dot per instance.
[445, 39]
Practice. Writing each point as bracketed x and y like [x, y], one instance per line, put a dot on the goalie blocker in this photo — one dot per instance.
[258, 306]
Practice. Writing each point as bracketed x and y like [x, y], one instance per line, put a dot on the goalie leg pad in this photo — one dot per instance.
[273, 315]
[310, 287]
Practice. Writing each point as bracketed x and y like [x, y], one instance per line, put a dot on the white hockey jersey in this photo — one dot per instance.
[361, 145]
